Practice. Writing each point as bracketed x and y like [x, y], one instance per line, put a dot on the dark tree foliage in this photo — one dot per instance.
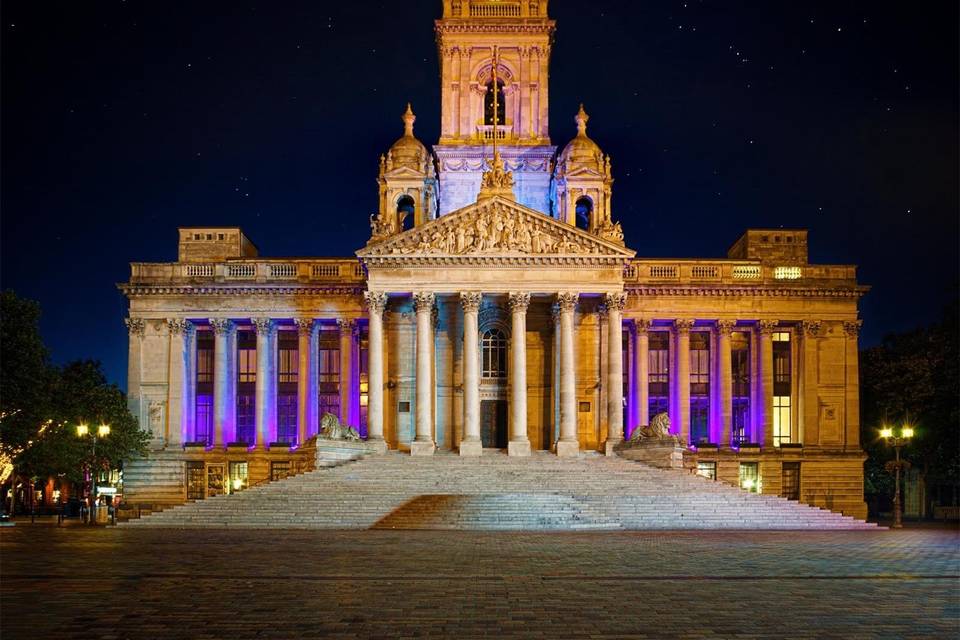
[43, 404]
[913, 377]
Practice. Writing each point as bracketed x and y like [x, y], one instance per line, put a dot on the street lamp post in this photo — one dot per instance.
[102, 432]
[894, 466]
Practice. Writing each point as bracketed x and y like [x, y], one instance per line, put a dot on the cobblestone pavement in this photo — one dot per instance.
[154, 583]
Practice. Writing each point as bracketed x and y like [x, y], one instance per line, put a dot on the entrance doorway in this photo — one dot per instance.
[493, 423]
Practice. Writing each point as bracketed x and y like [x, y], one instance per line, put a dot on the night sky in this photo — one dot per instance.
[124, 120]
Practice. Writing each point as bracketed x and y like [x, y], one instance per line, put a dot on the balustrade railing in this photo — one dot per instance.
[495, 9]
[330, 270]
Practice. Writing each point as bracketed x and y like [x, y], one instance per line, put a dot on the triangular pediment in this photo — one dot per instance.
[403, 172]
[495, 227]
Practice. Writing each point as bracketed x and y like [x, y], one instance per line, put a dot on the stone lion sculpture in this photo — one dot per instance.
[332, 429]
[659, 429]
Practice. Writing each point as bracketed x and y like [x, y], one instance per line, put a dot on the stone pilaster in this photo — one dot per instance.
[471, 444]
[568, 445]
[724, 328]
[519, 444]
[423, 443]
[641, 367]
[347, 328]
[683, 327]
[376, 304]
[136, 329]
[615, 303]
[852, 387]
[304, 352]
[180, 380]
[809, 410]
[767, 328]
[223, 330]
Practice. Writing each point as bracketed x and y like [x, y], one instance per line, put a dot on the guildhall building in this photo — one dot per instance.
[495, 306]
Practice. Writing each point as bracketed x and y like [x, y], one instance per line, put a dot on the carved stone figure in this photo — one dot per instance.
[659, 429]
[332, 429]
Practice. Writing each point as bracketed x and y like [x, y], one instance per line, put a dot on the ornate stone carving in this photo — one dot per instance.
[616, 300]
[178, 326]
[221, 326]
[492, 228]
[811, 328]
[332, 429]
[519, 301]
[136, 326]
[659, 429]
[767, 327]
[423, 301]
[155, 416]
[496, 182]
[263, 326]
[641, 325]
[376, 301]
[567, 301]
[683, 326]
[304, 325]
[611, 232]
[724, 327]
[348, 325]
[382, 227]
[471, 300]
[852, 328]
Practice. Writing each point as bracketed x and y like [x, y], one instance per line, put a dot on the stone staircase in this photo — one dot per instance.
[496, 492]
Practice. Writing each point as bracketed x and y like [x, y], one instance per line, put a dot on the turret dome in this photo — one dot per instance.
[581, 150]
[408, 151]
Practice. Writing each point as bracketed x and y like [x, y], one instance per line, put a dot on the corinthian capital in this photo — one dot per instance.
[642, 326]
[567, 301]
[178, 326]
[136, 326]
[852, 328]
[683, 325]
[376, 301]
[616, 300]
[519, 301]
[423, 301]
[263, 326]
[304, 325]
[724, 327]
[470, 301]
[221, 326]
[811, 328]
[767, 327]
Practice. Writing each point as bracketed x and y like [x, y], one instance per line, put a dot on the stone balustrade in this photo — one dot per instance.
[252, 270]
[733, 272]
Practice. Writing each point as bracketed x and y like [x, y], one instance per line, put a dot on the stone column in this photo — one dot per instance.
[471, 444]
[346, 326]
[304, 331]
[222, 330]
[852, 385]
[180, 406]
[136, 328]
[724, 327]
[641, 367]
[376, 304]
[568, 445]
[683, 327]
[423, 443]
[767, 327]
[264, 329]
[809, 393]
[519, 444]
[615, 303]
[555, 380]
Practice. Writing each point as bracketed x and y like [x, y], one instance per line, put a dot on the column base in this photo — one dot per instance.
[422, 448]
[609, 446]
[568, 448]
[471, 448]
[519, 448]
[379, 445]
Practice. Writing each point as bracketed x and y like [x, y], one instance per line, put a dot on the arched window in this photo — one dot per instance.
[583, 208]
[405, 211]
[493, 351]
[488, 104]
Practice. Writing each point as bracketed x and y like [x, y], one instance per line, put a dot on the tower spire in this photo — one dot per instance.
[497, 181]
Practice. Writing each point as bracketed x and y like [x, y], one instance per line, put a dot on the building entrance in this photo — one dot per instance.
[493, 423]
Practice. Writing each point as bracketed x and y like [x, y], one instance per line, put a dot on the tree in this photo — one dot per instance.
[914, 377]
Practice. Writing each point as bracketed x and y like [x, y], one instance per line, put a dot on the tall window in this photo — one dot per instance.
[699, 386]
[246, 387]
[288, 361]
[782, 381]
[488, 103]
[658, 360]
[493, 350]
[583, 208]
[203, 418]
[406, 208]
[364, 378]
[740, 368]
[328, 374]
[750, 477]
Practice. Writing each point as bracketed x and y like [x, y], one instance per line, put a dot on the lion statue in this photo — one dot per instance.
[659, 429]
[332, 429]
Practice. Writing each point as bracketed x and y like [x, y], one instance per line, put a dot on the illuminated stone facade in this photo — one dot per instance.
[511, 316]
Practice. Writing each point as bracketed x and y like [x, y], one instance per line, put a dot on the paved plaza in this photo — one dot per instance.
[166, 583]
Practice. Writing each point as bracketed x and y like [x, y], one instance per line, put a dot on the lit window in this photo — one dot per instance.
[707, 470]
[493, 347]
[750, 477]
[239, 478]
[781, 420]
[787, 273]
